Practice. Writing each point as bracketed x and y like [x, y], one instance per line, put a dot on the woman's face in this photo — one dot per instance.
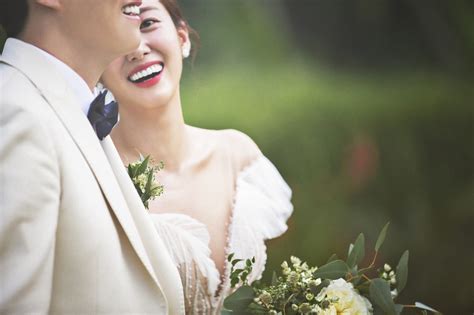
[149, 76]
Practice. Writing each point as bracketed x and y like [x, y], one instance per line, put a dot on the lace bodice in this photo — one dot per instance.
[260, 211]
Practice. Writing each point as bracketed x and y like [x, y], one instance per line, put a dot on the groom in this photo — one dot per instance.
[74, 236]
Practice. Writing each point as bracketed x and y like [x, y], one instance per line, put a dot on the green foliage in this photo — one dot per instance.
[381, 237]
[333, 270]
[380, 295]
[239, 301]
[142, 175]
[357, 252]
[302, 289]
[239, 274]
[402, 272]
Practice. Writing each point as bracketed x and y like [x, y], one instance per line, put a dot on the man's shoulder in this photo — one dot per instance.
[17, 91]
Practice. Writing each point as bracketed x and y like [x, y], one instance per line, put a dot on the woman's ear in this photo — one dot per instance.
[183, 35]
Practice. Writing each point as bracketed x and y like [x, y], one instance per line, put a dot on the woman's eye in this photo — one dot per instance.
[148, 23]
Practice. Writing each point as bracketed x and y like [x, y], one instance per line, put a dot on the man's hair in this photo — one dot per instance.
[13, 14]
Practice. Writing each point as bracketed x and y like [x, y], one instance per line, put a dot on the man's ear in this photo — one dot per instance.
[52, 4]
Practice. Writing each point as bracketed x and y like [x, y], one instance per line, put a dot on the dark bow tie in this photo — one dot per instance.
[103, 117]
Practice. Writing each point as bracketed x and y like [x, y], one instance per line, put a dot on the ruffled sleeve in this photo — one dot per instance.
[262, 207]
[263, 199]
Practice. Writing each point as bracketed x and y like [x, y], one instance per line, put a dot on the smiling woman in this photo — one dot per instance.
[221, 194]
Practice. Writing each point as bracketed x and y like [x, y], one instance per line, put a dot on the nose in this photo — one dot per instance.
[139, 53]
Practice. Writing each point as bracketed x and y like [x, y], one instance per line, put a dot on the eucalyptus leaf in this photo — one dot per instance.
[229, 258]
[426, 307]
[358, 251]
[332, 258]
[402, 272]
[334, 270]
[240, 299]
[380, 294]
[381, 237]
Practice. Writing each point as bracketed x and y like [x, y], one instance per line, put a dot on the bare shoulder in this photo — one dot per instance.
[242, 148]
[227, 146]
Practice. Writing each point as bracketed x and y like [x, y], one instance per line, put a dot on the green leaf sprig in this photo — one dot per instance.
[142, 173]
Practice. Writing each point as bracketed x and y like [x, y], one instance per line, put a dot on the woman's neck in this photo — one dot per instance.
[158, 132]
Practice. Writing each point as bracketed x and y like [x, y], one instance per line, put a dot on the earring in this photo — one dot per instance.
[185, 52]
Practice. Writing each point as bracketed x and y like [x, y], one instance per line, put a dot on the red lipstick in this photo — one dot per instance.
[149, 82]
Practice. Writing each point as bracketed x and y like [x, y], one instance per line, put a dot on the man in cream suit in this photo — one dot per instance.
[74, 235]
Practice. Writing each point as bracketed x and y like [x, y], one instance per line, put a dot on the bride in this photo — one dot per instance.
[221, 194]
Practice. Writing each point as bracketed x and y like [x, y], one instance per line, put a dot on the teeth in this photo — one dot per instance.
[154, 69]
[131, 10]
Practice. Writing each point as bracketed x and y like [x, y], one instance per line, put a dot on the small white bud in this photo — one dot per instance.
[295, 260]
[387, 267]
[394, 293]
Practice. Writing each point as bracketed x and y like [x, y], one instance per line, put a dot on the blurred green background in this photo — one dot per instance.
[366, 108]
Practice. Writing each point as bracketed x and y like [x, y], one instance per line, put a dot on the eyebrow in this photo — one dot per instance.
[145, 9]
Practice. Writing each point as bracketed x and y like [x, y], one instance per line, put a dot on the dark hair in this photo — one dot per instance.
[176, 14]
[13, 15]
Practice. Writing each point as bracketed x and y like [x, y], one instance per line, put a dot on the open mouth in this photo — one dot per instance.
[132, 9]
[147, 73]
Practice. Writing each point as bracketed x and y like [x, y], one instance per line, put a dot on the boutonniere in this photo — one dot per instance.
[142, 173]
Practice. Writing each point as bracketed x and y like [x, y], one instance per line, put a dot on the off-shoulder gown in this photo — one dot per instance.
[260, 210]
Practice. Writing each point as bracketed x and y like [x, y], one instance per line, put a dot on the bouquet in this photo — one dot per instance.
[142, 173]
[338, 287]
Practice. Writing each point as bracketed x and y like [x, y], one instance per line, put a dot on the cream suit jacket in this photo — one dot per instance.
[74, 235]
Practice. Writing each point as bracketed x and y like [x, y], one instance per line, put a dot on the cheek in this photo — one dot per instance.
[112, 75]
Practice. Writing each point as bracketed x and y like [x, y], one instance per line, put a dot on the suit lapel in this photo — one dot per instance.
[56, 92]
[162, 262]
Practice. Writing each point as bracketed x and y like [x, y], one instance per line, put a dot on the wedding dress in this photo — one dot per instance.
[260, 211]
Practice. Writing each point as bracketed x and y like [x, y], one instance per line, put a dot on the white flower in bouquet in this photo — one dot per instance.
[345, 300]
